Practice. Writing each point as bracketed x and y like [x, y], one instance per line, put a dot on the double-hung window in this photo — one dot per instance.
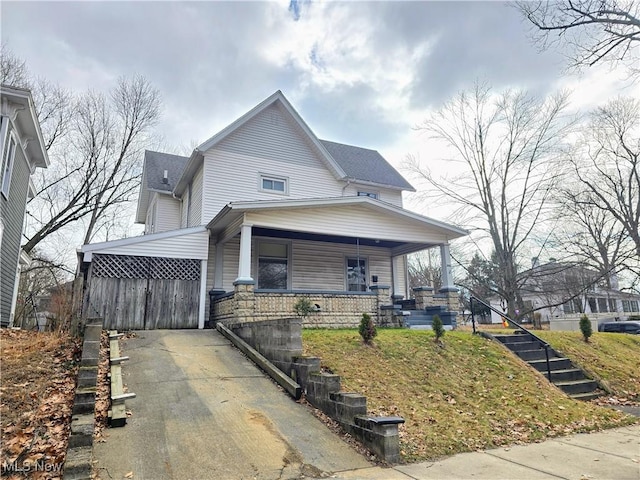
[274, 184]
[273, 265]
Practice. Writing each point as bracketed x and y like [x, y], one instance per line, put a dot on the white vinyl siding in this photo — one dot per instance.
[388, 195]
[187, 245]
[168, 213]
[163, 214]
[343, 220]
[184, 209]
[230, 263]
[269, 144]
[314, 265]
[195, 212]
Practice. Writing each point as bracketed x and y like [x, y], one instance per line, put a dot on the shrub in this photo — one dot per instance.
[585, 327]
[437, 327]
[367, 329]
[303, 307]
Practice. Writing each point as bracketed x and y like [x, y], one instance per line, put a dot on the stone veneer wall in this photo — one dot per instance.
[337, 310]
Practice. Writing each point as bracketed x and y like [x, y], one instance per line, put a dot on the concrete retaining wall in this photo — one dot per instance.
[280, 341]
[77, 464]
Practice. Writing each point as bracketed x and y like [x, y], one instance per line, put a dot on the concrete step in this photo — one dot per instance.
[508, 339]
[587, 396]
[522, 346]
[532, 355]
[556, 363]
[577, 386]
[567, 375]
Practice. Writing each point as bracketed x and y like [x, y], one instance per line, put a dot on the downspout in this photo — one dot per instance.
[348, 182]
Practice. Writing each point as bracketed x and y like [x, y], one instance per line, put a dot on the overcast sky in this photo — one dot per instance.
[362, 73]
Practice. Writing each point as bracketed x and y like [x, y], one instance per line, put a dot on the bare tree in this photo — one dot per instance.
[607, 164]
[98, 168]
[590, 236]
[595, 31]
[425, 269]
[502, 170]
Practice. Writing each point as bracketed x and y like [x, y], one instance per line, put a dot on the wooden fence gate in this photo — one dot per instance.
[144, 293]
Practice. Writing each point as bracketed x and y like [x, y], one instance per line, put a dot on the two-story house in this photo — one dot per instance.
[22, 150]
[259, 216]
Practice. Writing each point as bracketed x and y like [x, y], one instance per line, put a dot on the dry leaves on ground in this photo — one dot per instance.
[36, 398]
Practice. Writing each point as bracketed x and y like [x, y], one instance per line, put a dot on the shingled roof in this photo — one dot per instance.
[365, 165]
[155, 163]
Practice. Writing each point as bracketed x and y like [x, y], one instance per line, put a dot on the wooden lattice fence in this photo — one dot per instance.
[135, 293]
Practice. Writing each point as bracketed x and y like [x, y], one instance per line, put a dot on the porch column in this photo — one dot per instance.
[447, 275]
[244, 265]
[397, 273]
[203, 293]
[448, 290]
[217, 268]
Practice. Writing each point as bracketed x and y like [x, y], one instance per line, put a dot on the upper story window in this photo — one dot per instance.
[269, 183]
[368, 194]
[8, 154]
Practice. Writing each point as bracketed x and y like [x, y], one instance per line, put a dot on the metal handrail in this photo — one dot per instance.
[512, 322]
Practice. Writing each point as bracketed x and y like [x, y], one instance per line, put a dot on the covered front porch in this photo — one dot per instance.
[345, 256]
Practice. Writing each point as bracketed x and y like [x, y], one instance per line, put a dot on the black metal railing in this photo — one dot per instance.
[545, 345]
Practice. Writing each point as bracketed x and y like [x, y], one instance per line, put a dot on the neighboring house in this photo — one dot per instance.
[259, 216]
[22, 151]
[562, 291]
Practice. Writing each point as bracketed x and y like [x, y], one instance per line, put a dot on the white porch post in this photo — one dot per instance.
[203, 293]
[397, 273]
[447, 274]
[218, 272]
[244, 265]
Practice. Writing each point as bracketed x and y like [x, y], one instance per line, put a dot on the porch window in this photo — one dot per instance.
[273, 266]
[356, 275]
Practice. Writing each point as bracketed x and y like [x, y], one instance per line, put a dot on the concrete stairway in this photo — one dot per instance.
[564, 374]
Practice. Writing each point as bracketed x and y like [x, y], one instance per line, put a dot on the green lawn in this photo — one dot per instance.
[470, 394]
[613, 358]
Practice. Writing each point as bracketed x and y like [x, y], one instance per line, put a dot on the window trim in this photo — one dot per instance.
[274, 178]
[8, 158]
[256, 262]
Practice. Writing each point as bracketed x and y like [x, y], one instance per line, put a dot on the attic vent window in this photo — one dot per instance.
[273, 184]
[368, 194]
[165, 177]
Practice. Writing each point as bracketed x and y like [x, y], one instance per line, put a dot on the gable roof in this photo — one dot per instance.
[155, 164]
[276, 98]
[363, 164]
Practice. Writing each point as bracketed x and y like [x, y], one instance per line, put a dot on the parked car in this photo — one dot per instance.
[632, 327]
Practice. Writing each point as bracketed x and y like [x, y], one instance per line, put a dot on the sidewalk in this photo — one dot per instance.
[612, 454]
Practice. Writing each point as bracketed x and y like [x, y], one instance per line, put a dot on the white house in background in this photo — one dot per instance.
[260, 215]
[572, 290]
[22, 150]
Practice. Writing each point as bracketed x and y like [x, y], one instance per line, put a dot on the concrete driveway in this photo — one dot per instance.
[203, 411]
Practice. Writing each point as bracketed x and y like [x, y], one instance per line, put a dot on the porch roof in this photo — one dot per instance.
[340, 219]
[190, 242]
